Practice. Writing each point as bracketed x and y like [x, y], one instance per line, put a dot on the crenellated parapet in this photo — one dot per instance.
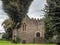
[34, 20]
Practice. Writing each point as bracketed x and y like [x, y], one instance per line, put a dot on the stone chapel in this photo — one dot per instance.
[31, 31]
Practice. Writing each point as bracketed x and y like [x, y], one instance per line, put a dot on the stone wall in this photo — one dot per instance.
[33, 26]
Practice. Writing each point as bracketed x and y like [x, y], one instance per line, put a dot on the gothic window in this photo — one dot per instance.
[24, 27]
[37, 34]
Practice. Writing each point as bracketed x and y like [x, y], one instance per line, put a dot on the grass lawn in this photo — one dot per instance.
[4, 42]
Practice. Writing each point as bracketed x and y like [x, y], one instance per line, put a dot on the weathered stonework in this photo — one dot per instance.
[31, 31]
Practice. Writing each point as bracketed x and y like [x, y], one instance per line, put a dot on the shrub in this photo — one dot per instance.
[4, 36]
[17, 40]
[58, 38]
[50, 41]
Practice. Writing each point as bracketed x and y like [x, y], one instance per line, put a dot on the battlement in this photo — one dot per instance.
[33, 19]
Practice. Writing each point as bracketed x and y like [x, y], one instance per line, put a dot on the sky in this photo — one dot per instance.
[3, 16]
[36, 8]
[35, 11]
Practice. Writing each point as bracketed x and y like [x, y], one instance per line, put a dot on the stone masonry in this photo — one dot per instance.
[31, 31]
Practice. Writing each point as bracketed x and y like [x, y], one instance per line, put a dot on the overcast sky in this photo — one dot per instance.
[36, 8]
[35, 11]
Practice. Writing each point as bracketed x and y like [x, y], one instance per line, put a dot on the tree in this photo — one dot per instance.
[16, 9]
[8, 24]
[52, 20]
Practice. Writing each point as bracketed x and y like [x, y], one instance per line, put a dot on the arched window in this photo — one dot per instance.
[37, 34]
[24, 26]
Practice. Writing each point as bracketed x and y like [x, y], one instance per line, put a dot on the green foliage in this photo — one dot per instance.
[49, 41]
[58, 38]
[4, 36]
[48, 27]
[8, 29]
[8, 34]
[52, 19]
[17, 40]
[16, 10]
[8, 23]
